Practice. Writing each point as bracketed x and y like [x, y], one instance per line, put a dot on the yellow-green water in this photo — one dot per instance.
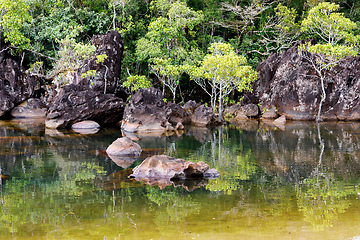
[301, 181]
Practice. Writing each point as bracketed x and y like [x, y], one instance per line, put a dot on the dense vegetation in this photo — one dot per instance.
[164, 40]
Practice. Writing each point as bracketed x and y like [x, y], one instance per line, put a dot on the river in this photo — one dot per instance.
[295, 181]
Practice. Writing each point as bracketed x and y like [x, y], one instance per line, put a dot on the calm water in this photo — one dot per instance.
[301, 181]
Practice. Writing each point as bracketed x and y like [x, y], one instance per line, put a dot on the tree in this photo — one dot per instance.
[165, 45]
[136, 82]
[71, 57]
[223, 71]
[279, 32]
[169, 74]
[336, 41]
[246, 14]
[12, 18]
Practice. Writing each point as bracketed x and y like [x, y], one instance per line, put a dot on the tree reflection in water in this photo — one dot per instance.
[62, 183]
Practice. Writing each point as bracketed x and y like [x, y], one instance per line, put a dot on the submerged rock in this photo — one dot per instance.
[165, 169]
[159, 167]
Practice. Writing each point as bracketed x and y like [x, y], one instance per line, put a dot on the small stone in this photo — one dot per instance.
[88, 124]
[211, 173]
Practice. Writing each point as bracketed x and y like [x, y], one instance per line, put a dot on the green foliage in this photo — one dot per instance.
[90, 73]
[178, 32]
[14, 14]
[36, 68]
[223, 70]
[330, 26]
[280, 30]
[166, 46]
[71, 57]
[101, 58]
[166, 36]
[136, 82]
[169, 74]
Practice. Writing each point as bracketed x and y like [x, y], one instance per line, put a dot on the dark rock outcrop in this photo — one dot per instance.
[177, 114]
[86, 98]
[190, 106]
[77, 103]
[146, 112]
[290, 83]
[108, 72]
[204, 116]
[15, 86]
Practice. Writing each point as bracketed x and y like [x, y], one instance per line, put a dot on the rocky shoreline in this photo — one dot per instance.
[287, 86]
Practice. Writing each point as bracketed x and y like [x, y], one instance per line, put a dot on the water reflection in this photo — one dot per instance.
[302, 179]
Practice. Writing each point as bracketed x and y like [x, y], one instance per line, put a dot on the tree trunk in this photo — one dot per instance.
[221, 107]
[323, 97]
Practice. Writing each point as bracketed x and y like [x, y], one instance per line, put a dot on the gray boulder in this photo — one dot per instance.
[204, 116]
[124, 147]
[31, 108]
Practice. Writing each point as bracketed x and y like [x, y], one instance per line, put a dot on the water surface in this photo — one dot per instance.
[299, 181]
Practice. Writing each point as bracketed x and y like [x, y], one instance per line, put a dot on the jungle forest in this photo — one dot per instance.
[174, 45]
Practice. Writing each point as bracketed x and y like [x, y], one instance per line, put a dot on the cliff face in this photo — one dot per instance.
[289, 83]
[15, 86]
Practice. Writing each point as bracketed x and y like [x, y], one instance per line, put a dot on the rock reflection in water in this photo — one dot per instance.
[123, 161]
[272, 182]
[188, 184]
